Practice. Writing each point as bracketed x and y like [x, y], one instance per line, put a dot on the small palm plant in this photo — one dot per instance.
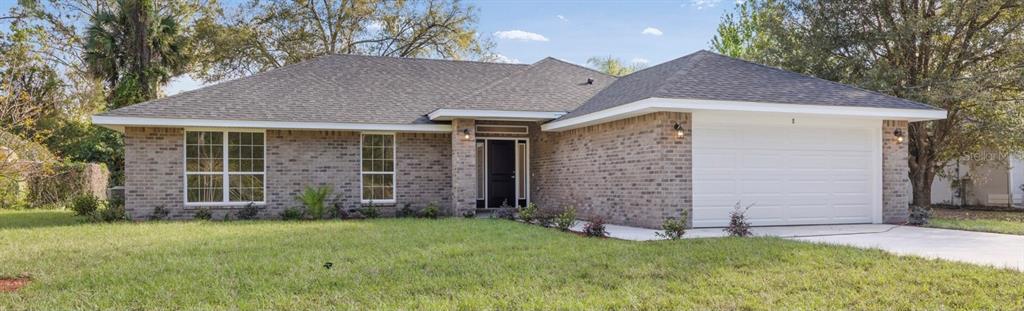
[313, 198]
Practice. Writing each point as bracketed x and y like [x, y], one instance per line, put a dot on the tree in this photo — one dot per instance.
[613, 66]
[268, 34]
[135, 49]
[30, 90]
[966, 57]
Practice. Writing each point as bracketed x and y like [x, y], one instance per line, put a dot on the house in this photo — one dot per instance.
[986, 180]
[698, 134]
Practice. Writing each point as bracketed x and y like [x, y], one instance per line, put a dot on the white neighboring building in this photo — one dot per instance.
[991, 183]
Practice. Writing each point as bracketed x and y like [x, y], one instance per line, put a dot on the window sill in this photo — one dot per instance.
[380, 202]
[196, 205]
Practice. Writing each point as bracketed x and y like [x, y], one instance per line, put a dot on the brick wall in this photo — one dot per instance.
[896, 190]
[295, 159]
[153, 174]
[463, 159]
[633, 171]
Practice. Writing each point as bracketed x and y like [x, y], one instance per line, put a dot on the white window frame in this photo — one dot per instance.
[393, 172]
[225, 174]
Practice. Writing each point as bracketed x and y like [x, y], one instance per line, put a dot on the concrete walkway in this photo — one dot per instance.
[991, 249]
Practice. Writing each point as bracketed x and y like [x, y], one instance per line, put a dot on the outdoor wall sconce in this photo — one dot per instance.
[465, 133]
[679, 129]
[899, 135]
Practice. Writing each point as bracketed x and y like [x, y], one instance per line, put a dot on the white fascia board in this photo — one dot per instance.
[119, 123]
[497, 115]
[689, 105]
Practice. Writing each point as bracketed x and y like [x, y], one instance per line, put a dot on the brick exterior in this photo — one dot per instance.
[896, 189]
[634, 171]
[463, 182]
[154, 173]
[295, 159]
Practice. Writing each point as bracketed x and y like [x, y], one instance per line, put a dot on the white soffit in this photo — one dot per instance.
[495, 115]
[650, 105]
[119, 123]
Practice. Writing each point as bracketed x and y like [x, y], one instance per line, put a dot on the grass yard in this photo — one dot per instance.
[977, 220]
[459, 264]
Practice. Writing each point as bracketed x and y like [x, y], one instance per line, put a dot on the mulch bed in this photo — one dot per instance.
[973, 213]
[9, 285]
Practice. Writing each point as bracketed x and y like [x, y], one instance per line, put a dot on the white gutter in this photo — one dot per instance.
[496, 115]
[119, 123]
[650, 105]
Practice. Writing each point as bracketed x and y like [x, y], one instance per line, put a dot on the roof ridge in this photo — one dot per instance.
[579, 66]
[675, 76]
[426, 59]
[826, 80]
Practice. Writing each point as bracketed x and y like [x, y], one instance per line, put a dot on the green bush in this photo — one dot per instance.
[565, 219]
[673, 228]
[12, 196]
[314, 199]
[406, 211]
[529, 213]
[739, 226]
[370, 210]
[53, 185]
[203, 213]
[431, 211]
[85, 205]
[248, 212]
[292, 213]
[112, 211]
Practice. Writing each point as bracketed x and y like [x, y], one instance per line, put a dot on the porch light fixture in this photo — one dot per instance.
[899, 135]
[465, 133]
[679, 129]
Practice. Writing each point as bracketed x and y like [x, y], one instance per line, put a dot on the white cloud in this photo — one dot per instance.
[498, 58]
[652, 31]
[520, 35]
[638, 60]
[562, 18]
[703, 4]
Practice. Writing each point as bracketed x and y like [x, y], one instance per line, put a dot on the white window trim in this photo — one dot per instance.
[393, 173]
[225, 174]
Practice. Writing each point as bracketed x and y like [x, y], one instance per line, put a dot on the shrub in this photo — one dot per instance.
[356, 215]
[406, 211]
[919, 215]
[338, 211]
[85, 204]
[529, 213]
[55, 184]
[248, 212]
[313, 199]
[469, 214]
[431, 211]
[160, 212]
[739, 226]
[673, 228]
[565, 219]
[370, 210]
[292, 213]
[113, 211]
[203, 213]
[595, 228]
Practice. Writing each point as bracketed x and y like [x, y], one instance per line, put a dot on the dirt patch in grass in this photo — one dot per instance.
[972, 214]
[10, 285]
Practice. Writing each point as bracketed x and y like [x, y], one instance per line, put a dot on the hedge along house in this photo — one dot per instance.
[698, 134]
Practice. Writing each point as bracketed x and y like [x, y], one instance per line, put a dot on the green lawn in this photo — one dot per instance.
[986, 221]
[459, 264]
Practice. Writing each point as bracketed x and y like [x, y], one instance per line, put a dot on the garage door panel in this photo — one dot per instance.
[793, 175]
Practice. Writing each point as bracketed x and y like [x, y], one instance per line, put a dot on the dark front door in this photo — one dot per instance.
[501, 173]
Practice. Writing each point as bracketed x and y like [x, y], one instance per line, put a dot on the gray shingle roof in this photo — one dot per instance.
[709, 76]
[369, 89]
[333, 88]
[547, 85]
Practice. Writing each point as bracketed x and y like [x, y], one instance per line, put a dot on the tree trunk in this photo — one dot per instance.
[921, 182]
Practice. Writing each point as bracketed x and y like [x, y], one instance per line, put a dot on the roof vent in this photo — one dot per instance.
[590, 81]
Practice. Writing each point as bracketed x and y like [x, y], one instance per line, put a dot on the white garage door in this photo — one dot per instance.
[795, 171]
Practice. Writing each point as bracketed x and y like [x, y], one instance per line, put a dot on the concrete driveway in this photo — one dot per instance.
[991, 249]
